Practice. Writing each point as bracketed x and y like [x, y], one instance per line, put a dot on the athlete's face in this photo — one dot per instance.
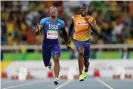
[53, 12]
[83, 11]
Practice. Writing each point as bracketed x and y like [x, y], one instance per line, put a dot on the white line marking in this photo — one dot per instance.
[25, 84]
[105, 84]
[67, 82]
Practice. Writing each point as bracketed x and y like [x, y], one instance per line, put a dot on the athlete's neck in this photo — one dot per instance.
[53, 18]
[83, 15]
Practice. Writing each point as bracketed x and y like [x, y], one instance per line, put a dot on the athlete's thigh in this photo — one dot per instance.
[46, 53]
[56, 51]
[79, 46]
[86, 50]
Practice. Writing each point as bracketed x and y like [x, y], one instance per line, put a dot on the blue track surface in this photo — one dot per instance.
[89, 83]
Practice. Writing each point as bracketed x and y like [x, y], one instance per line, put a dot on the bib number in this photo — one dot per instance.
[52, 34]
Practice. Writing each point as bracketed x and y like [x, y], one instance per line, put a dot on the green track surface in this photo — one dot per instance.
[112, 55]
[109, 55]
[31, 56]
[131, 55]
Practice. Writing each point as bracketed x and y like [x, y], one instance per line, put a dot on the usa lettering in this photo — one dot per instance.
[54, 27]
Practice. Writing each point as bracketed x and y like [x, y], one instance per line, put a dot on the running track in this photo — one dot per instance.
[89, 83]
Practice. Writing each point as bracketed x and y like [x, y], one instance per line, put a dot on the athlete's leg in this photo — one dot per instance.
[86, 64]
[56, 65]
[81, 59]
[86, 55]
[79, 47]
[86, 58]
[46, 53]
[56, 55]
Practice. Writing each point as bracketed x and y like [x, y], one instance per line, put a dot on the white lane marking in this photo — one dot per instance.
[67, 82]
[25, 84]
[105, 84]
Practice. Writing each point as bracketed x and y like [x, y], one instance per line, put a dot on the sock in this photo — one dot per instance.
[56, 79]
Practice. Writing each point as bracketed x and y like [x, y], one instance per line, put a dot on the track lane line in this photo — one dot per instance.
[105, 84]
[25, 84]
[64, 84]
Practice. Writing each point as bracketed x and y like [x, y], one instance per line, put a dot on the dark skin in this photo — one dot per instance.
[62, 32]
[81, 62]
[84, 63]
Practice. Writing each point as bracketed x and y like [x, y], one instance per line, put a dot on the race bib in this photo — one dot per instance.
[52, 34]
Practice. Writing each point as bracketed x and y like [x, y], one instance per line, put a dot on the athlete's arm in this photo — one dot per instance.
[69, 36]
[70, 30]
[63, 33]
[95, 28]
[39, 28]
[40, 25]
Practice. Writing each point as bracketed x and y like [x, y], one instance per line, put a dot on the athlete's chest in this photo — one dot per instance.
[53, 25]
[80, 22]
[52, 29]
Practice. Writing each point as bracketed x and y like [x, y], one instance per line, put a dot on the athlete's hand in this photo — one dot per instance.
[70, 49]
[37, 30]
[69, 40]
[86, 19]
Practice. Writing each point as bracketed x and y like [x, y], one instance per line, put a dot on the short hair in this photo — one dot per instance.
[83, 6]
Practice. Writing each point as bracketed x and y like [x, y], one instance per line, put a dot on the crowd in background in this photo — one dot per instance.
[19, 19]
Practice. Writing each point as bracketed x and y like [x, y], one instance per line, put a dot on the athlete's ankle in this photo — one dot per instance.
[86, 70]
[56, 78]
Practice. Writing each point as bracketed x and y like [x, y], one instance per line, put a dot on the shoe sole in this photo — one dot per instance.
[55, 82]
[81, 80]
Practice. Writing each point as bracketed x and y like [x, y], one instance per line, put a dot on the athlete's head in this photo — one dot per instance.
[83, 9]
[53, 12]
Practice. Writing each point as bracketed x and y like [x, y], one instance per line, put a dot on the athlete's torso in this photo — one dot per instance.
[81, 28]
[51, 29]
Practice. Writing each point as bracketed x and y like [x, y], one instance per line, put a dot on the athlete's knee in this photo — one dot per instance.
[81, 51]
[56, 59]
[81, 54]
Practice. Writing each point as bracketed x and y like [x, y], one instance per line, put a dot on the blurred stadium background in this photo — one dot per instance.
[21, 48]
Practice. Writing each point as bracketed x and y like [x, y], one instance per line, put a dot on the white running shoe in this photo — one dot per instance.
[56, 81]
[50, 65]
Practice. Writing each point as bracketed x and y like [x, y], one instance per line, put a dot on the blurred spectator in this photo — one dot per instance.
[131, 7]
[19, 18]
[30, 36]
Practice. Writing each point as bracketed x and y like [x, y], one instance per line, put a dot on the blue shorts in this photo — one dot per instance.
[49, 50]
[85, 45]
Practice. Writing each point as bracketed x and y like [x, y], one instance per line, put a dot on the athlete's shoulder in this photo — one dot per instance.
[43, 20]
[91, 18]
[61, 21]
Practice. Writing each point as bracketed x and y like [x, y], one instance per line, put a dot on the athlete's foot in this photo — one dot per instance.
[49, 65]
[81, 77]
[56, 81]
[85, 75]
